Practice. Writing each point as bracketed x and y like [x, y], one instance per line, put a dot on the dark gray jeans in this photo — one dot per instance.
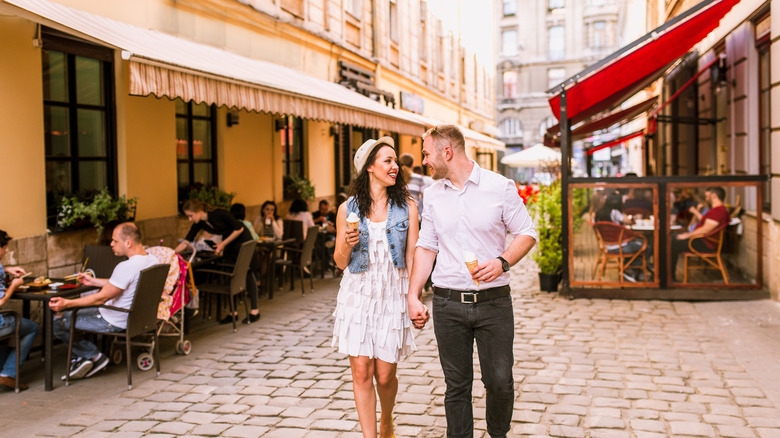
[456, 326]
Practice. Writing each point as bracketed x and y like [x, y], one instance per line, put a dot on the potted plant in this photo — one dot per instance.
[546, 212]
[98, 211]
[212, 196]
[298, 188]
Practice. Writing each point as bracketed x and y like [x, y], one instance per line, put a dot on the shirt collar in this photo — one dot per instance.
[473, 177]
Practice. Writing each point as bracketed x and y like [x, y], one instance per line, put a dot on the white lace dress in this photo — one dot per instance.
[371, 311]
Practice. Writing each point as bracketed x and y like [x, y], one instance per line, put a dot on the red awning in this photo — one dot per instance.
[611, 81]
[604, 122]
[615, 142]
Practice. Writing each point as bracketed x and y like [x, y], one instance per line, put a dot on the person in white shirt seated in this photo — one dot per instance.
[117, 291]
[299, 211]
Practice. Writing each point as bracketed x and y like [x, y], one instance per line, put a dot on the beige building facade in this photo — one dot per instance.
[150, 98]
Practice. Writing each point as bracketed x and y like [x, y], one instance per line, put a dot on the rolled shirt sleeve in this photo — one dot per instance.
[515, 215]
[427, 238]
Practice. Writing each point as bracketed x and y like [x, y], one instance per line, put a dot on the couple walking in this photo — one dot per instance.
[468, 209]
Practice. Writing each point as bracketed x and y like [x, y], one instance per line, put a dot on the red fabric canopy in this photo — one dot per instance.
[604, 122]
[614, 142]
[613, 80]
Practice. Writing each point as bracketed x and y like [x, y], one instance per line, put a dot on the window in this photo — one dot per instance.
[354, 7]
[196, 158]
[510, 7]
[509, 43]
[78, 116]
[292, 144]
[555, 76]
[546, 124]
[557, 4]
[294, 7]
[598, 34]
[485, 160]
[393, 20]
[764, 107]
[423, 40]
[510, 84]
[555, 42]
[597, 2]
[511, 128]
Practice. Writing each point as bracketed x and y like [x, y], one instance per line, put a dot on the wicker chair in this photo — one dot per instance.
[101, 259]
[302, 258]
[233, 282]
[141, 318]
[613, 234]
[13, 340]
[712, 260]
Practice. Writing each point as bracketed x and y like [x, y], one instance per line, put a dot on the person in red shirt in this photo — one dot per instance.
[714, 218]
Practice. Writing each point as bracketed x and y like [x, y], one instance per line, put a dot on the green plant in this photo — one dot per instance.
[546, 213]
[298, 188]
[100, 210]
[213, 196]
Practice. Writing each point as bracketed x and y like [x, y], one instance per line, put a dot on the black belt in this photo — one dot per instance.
[472, 296]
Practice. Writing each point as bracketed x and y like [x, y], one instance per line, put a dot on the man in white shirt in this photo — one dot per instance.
[117, 291]
[469, 209]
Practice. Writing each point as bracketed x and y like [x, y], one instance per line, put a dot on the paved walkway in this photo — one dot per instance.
[584, 368]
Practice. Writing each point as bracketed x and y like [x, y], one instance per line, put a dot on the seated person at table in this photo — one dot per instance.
[717, 216]
[219, 221]
[611, 211]
[7, 322]
[117, 291]
[324, 215]
[639, 198]
[299, 211]
[269, 224]
[239, 212]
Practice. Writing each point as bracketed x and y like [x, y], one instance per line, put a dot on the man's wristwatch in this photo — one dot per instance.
[504, 264]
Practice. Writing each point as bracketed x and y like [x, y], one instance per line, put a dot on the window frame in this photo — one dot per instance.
[212, 119]
[558, 54]
[71, 48]
[513, 8]
[290, 123]
[393, 25]
[513, 43]
[556, 4]
[507, 86]
[764, 85]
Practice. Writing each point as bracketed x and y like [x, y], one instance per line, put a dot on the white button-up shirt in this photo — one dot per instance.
[474, 219]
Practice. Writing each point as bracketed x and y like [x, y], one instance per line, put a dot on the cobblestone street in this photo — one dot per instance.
[584, 368]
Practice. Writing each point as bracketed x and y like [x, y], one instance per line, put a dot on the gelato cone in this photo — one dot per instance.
[352, 221]
[471, 262]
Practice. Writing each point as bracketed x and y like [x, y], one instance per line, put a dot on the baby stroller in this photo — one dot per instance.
[178, 292]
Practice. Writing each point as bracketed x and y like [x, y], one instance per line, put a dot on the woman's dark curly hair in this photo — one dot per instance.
[360, 188]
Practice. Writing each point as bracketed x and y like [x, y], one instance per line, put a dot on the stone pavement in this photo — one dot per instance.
[584, 368]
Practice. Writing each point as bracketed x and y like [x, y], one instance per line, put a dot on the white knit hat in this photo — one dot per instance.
[365, 150]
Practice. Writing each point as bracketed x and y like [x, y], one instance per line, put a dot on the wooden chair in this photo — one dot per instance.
[13, 340]
[141, 318]
[600, 257]
[614, 234]
[232, 282]
[712, 260]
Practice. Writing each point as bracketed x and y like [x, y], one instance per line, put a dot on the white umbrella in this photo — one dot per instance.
[537, 155]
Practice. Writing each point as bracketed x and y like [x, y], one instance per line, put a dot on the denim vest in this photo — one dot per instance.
[397, 227]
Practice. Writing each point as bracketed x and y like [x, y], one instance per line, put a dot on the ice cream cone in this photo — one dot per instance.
[471, 262]
[352, 221]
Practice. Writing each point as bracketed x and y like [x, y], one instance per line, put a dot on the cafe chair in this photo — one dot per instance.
[101, 259]
[141, 319]
[231, 282]
[711, 260]
[600, 259]
[303, 259]
[613, 234]
[12, 340]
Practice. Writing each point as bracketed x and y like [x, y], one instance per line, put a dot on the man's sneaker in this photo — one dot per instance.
[629, 277]
[79, 367]
[99, 364]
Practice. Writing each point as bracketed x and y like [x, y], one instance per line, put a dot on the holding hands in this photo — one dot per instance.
[418, 312]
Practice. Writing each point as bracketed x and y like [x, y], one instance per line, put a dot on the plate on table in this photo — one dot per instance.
[38, 284]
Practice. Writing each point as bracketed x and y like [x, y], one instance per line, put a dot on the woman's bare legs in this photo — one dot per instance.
[365, 397]
[387, 388]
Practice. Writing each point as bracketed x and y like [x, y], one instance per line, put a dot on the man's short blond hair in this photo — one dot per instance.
[447, 134]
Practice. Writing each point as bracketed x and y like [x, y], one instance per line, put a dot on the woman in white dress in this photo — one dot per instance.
[372, 323]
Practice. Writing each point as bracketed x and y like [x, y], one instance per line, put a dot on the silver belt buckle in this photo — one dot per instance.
[464, 295]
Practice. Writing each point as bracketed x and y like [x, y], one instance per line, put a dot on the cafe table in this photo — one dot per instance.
[43, 296]
[272, 246]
